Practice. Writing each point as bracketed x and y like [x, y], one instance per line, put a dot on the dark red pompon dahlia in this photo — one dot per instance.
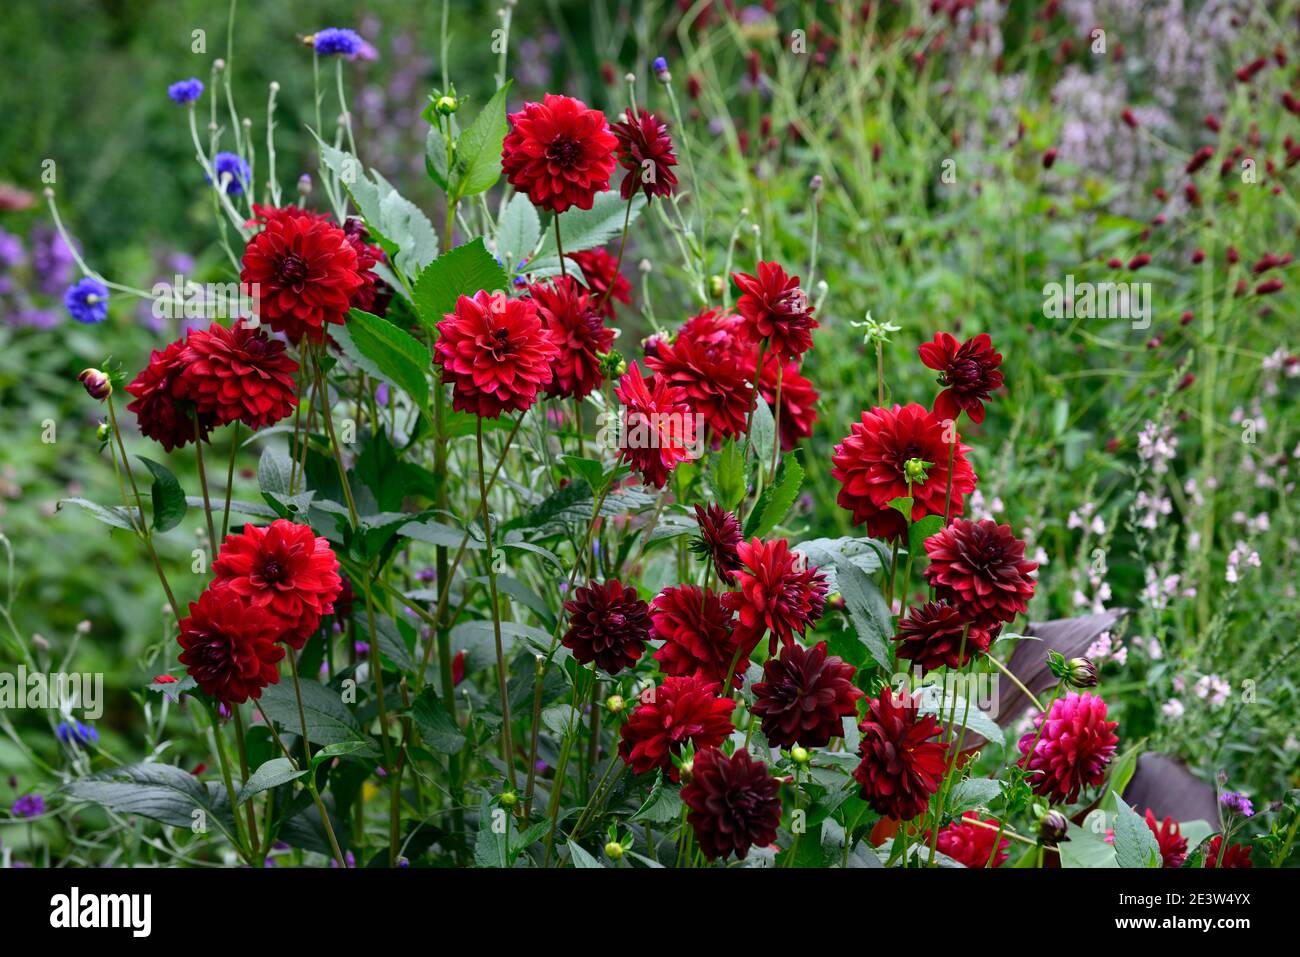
[967, 371]
[496, 352]
[659, 429]
[696, 629]
[871, 464]
[970, 844]
[719, 540]
[229, 646]
[804, 697]
[1173, 846]
[1073, 750]
[734, 804]
[681, 710]
[608, 624]
[707, 363]
[931, 636]
[901, 766]
[239, 375]
[645, 150]
[159, 402]
[775, 308]
[1237, 855]
[559, 152]
[306, 272]
[780, 594]
[577, 331]
[980, 567]
[600, 274]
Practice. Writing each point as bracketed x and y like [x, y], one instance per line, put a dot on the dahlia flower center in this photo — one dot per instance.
[273, 572]
[962, 373]
[616, 621]
[563, 150]
[291, 269]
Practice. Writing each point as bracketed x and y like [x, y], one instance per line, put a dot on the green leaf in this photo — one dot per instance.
[518, 231]
[436, 727]
[663, 804]
[477, 164]
[436, 533]
[1086, 846]
[1135, 844]
[160, 792]
[589, 470]
[561, 719]
[435, 157]
[919, 531]
[903, 506]
[169, 505]
[462, 271]
[774, 504]
[116, 516]
[727, 474]
[272, 774]
[972, 718]
[585, 229]
[867, 609]
[972, 793]
[491, 848]
[329, 720]
[763, 431]
[274, 468]
[580, 857]
[397, 356]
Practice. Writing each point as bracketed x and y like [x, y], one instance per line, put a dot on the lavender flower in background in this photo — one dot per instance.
[1238, 803]
[52, 261]
[29, 805]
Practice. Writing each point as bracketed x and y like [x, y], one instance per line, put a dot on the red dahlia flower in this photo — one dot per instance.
[577, 331]
[697, 634]
[658, 427]
[901, 767]
[681, 710]
[931, 636]
[968, 372]
[239, 374]
[1237, 855]
[600, 274]
[495, 352]
[229, 646]
[871, 463]
[306, 272]
[734, 803]
[1173, 846]
[559, 152]
[1071, 753]
[971, 844]
[804, 697]
[719, 540]
[285, 569]
[160, 406]
[798, 412]
[608, 624]
[645, 150]
[980, 567]
[779, 593]
[711, 370]
[775, 309]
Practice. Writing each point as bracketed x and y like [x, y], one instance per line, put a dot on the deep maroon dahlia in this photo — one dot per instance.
[496, 353]
[238, 374]
[734, 803]
[698, 637]
[159, 403]
[901, 767]
[780, 594]
[980, 567]
[804, 697]
[559, 152]
[608, 624]
[971, 844]
[1173, 846]
[600, 274]
[931, 636]
[775, 309]
[229, 646]
[681, 710]
[719, 539]
[1071, 753]
[1237, 855]
[968, 372]
[871, 464]
[708, 366]
[645, 150]
[798, 412]
[658, 427]
[577, 331]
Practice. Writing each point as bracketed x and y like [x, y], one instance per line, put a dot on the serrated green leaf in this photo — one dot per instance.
[462, 271]
[272, 774]
[477, 163]
[169, 505]
[436, 727]
[1135, 844]
[867, 609]
[774, 504]
[518, 231]
[396, 355]
[585, 229]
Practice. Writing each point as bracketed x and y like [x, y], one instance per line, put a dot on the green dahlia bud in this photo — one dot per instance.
[615, 703]
[612, 365]
[915, 470]
[614, 850]
[717, 286]
[104, 432]
[509, 799]
[446, 105]
[799, 755]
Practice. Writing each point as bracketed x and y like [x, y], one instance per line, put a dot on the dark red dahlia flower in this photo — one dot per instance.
[600, 274]
[779, 593]
[229, 646]
[608, 624]
[968, 372]
[1071, 753]
[1173, 846]
[980, 567]
[711, 370]
[559, 152]
[798, 412]
[775, 308]
[697, 634]
[1237, 855]
[285, 569]
[931, 636]
[306, 273]
[872, 465]
[971, 844]
[645, 150]
[682, 709]
[901, 767]
[496, 353]
[719, 540]
[658, 426]
[804, 697]
[734, 803]
[577, 331]
[238, 374]
[160, 406]
[373, 295]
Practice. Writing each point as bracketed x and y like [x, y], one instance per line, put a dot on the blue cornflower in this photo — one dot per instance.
[185, 91]
[337, 41]
[660, 66]
[87, 301]
[29, 805]
[76, 733]
[233, 165]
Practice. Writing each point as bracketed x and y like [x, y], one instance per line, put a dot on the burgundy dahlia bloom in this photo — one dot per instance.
[645, 150]
[931, 636]
[1173, 846]
[496, 353]
[968, 372]
[229, 646]
[981, 568]
[775, 308]
[159, 404]
[1071, 753]
[734, 803]
[696, 629]
[871, 464]
[608, 624]
[681, 710]
[798, 412]
[901, 767]
[577, 331]
[804, 697]
[971, 844]
[559, 152]
[1237, 855]
[719, 540]
[706, 363]
[658, 427]
[600, 274]
[239, 374]
[779, 593]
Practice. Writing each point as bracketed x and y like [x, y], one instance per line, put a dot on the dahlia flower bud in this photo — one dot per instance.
[799, 755]
[104, 432]
[509, 799]
[686, 770]
[614, 850]
[98, 385]
[446, 105]
[615, 704]
[915, 470]
[1052, 827]
[717, 286]
[304, 184]
[612, 365]
[1076, 672]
